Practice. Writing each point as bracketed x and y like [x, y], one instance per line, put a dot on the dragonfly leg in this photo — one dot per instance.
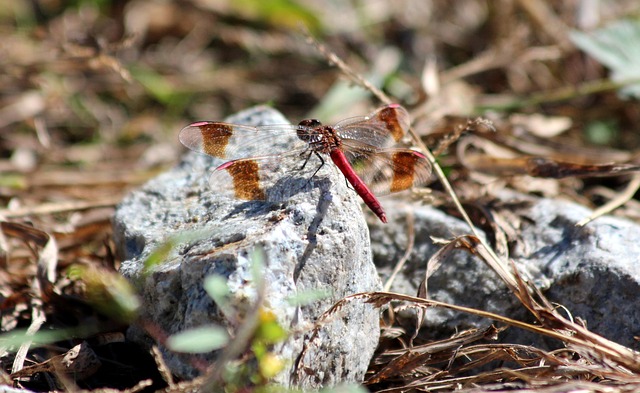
[349, 186]
[308, 157]
[321, 163]
[319, 167]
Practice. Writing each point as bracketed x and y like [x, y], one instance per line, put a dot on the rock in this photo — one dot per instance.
[592, 271]
[317, 240]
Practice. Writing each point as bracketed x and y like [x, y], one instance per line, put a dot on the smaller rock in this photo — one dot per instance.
[592, 271]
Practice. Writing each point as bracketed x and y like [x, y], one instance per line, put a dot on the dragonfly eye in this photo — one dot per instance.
[312, 123]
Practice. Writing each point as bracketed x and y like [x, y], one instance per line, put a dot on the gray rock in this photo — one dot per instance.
[592, 271]
[317, 240]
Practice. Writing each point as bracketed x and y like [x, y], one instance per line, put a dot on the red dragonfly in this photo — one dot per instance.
[360, 147]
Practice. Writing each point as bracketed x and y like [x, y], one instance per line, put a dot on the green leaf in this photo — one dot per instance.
[307, 297]
[16, 338]
[616, 46]
[15, 181]
[217, 288]
[156, 84]
[160, 87]
[603, 132]
[108, 292]
[165, 250]
[159, 255]
[258, 258]
[199, 340]
[280, 13]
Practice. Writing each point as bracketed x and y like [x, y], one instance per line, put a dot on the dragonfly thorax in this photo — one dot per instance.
[320, 138]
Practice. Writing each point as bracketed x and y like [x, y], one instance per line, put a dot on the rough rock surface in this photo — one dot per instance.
[318, 240]
[593, 271]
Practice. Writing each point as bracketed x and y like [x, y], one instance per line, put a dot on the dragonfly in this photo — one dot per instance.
[360, 147]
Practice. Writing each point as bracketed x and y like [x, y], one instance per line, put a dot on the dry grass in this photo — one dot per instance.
[92, 97]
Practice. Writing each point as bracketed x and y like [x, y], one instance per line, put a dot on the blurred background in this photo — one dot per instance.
[93, 94]
[111, 82]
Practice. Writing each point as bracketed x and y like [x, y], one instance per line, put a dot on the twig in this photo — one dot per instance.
[38, 318]
[615, 203]
[334, 59]
[495, 262]
[547, 20]
[411, 234]
[576, 335]
[59, 207]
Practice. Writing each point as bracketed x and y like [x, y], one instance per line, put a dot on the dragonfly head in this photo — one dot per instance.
[305, 127]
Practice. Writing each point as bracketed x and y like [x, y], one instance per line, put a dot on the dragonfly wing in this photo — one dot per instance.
[271, 178]
[234, 141]
[390, 170]
[382, 128]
